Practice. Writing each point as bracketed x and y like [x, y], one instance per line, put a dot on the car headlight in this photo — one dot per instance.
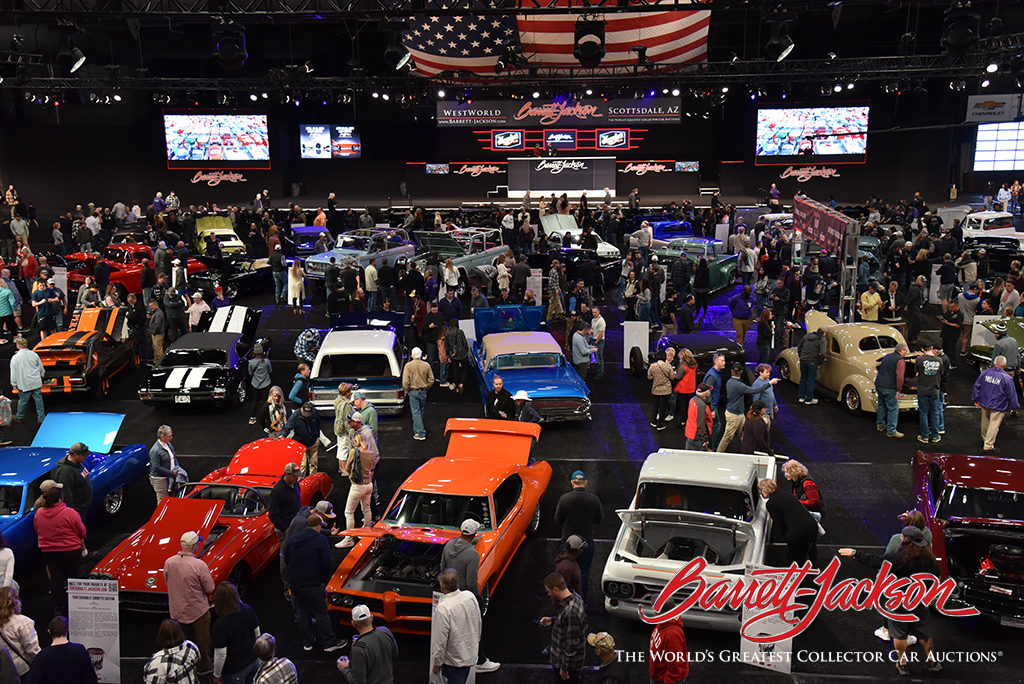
[611, 588]
[348, 601]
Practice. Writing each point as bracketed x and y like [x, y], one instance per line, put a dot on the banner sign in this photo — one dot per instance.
[771, 655]
[551, 113]
[508, 140]
[93, 622]
[993, 108]
[806, 173]
[561, 174]
[613, 139]
[819, 223]
[560, 138]
[212, 178]
[475, 170]
[643, 168]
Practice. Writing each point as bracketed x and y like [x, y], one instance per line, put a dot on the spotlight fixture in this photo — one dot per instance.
[641, 57]
[825, 90]
[440, 94]
[375, 95]
[725, 89]
[961, 29]
[920, 89]
[536, 94]
[253, 96]
[69, 56]
[992, 67]
[675, 92]
[284, 97]
[385, 96]
[263, 95]
[986, 83]
[831, 55]
[396, 55]
[779, 44]
[838, 88]
[753, 94]
[512, 57]
[229, 46]
[589, 91]
[785, 92]
[762, 91]
[958, 86]
[850, 85]
[117, 97]
[588, 47]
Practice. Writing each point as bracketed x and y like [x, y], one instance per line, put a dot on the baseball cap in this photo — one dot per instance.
[292, 469]
[197, 295]
[469, 526]
[356, 416]
[602, 641]
[915, 535]
[325, 508]
[579, 475]
[47, 485]
[307, 408]
[190, 539]
[218, 289]
[703, 387]
[361, 612]
[358, 394]
[50, 281]
[575, 542]
[79, 448]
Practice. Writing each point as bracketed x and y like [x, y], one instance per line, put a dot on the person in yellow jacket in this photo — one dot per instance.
[870, 303]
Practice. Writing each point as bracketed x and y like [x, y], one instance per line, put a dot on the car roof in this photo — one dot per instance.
[223, 341]
[704, 468]
[850, 333]
[984, 472]
[989, 214]
[459, 477]
[357, 340]
[497, 344]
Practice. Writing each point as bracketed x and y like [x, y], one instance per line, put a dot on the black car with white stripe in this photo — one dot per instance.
[209, 366]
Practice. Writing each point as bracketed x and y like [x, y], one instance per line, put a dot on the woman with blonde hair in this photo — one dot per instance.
[17, 631]
[803, 487]
[274, 413]
[296, 286]
[449, 278]
[110, 297]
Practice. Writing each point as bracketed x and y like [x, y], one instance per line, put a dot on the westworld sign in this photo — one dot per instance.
[544, 113]
[894, 597]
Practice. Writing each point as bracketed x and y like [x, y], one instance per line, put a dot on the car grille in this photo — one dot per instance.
[979, 594]
[144, 601]
[647, 593]
[313, 267]
[410, 609]
[562, 408]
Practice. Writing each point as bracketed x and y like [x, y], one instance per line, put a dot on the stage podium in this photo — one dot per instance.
[573, 176]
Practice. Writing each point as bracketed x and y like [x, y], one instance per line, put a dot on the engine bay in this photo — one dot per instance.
[393, 559]
[717, 547]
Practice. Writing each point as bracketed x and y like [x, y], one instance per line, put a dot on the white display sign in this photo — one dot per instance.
[93, 622]
[535, 282]
[988, 108]
[635, 334]
[60, 278]
[774, 655]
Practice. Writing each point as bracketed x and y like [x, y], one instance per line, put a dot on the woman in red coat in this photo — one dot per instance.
[687, 385]
[61, 535]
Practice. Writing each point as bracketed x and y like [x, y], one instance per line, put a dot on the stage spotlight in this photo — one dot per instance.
[253, 96]
[589, 91]
[641, 57]
[675, 92]
[753, 94]
[284, 98]
[831, 55]
[117, 97]
[440, 94]
[263, 95]
[93, 97]
[69, 56]
[375, 95]
[536, 95]
[961, 29]
[838, 87]
[589, 47]
[229, 46]
[850, 85]
[385, 96]
[825, 89]
[396, 55]
[986, 83]
[992, 67]
[785, 92]
[780, 44]
[725, 89]
[762, 91]
[958, 86]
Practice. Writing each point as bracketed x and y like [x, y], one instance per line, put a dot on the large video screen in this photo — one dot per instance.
[323, 141]
[785, 135]
[216, 140]
[999, 147]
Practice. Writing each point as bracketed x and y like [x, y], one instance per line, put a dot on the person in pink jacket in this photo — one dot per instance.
[61, 535]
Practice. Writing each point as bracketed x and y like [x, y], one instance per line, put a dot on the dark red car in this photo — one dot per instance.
[975, 509]
[125, 261]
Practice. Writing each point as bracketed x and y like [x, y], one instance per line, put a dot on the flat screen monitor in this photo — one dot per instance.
[999, 147]
[789, 135]
[216, 140]
[327, 141]
[687, 167]
[437, 169]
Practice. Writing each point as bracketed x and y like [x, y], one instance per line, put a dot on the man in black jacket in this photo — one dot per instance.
[307, 556]
[386, 279]
[499, 401]
[579, 512]
[811, 351]
[681, 275]
[780, 311]
[279, 269]
[412, 282]
[306, 424]
[147, 279]
[72, 474]
[332, 275]
[433, 324]
[915, 301]
[285, 501]
[792, 519]
[373, 653]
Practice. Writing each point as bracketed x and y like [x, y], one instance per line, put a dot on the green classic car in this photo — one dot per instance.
[981, 354]
[724, 269]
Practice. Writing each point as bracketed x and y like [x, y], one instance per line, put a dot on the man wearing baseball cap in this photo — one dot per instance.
[417, 378]
[285, 502]
[188, 583]
[71, 472]
[578, 512]
[305, 426]
[308, 557]
[460, 555]
[609, 668]
[373, 653]
[566, 563]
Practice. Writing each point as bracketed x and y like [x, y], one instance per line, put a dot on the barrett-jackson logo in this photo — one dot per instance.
[893, 597]
[218, 177]
[553, 111]
[644, 167]
[806, 173]
[477, 169]
[559, 165]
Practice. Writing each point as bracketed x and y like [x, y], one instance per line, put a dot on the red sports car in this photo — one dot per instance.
[488, 475]
[974, 506]
[125, 261]
[229, 509]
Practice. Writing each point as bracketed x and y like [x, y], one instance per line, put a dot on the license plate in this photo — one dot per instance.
[1001, 590]
[1011, 622]
[182, 399]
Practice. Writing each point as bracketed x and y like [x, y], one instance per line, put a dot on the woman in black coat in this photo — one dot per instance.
[701, 285]
[793, 521]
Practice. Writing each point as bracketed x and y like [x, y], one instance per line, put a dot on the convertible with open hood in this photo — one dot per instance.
[229, 509]
[488, 475]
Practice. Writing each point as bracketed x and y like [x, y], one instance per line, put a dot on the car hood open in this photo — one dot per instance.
[636, 518]
[411, 534]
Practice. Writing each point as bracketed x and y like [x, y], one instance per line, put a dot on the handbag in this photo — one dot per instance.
[355, 466]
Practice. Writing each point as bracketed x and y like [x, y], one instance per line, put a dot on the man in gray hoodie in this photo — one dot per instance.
[460, 555]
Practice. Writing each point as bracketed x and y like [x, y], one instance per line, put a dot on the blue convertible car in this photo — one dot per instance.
[509, 342]
[25, 468]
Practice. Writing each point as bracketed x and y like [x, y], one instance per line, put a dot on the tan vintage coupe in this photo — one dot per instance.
[851, 363]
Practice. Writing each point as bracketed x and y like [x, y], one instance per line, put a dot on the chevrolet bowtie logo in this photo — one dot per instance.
[989, 104]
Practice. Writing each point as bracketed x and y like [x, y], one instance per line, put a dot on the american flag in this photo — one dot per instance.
[474, 43]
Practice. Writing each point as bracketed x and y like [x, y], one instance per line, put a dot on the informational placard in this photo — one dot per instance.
[635, 334]
[535, 282]
[773, 655]
[60, 278]
[987, 108]
[93, 622]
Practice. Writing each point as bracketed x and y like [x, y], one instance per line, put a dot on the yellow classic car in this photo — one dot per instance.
[854, 351]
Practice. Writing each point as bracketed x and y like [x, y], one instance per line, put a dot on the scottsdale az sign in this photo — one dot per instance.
[562, 113]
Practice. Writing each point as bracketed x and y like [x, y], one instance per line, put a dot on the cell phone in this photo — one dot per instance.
[538, 621]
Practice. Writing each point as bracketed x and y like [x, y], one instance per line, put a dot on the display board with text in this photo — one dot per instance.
[558, 113]
[572, 175]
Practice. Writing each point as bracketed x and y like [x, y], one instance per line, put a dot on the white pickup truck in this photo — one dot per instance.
[688, 504]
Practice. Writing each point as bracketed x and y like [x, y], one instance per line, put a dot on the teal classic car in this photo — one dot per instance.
[724, 268]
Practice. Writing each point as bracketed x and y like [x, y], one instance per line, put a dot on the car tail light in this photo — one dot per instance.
[93, 360]
[219, 393]
[77, 381]
[143, 395]
[401, 395]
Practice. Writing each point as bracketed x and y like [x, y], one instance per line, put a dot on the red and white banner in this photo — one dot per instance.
[817, 222]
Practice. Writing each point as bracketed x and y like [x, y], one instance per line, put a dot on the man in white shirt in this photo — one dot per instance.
[598, 326]
[372, 285]
[455, 630]
[27, 374]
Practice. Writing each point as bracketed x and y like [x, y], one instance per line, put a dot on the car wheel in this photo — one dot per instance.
[636, 362]
[734, 278]
[485, 598]
[113, 502]
[230, 290]
[783, 369]
[460, 289]
[851, 399]
[240, 577]
[534, 521]
[315, 499]
[240, 393]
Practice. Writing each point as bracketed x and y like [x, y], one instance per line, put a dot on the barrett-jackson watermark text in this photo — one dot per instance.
[217, 177]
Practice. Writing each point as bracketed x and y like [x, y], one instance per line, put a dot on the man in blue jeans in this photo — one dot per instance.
[930, 369]
[889, 384]
[27, 378]
[279, 270]
[811, 350]
[417, 378]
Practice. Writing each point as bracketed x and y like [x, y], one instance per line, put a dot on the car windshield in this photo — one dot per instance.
[967, 502]
[872, 343]
[195, 357]
[10, 499]
[434, 510]
[355, 365]
[238, 501]
[120, 256]
[726, 503]
[508, 361]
